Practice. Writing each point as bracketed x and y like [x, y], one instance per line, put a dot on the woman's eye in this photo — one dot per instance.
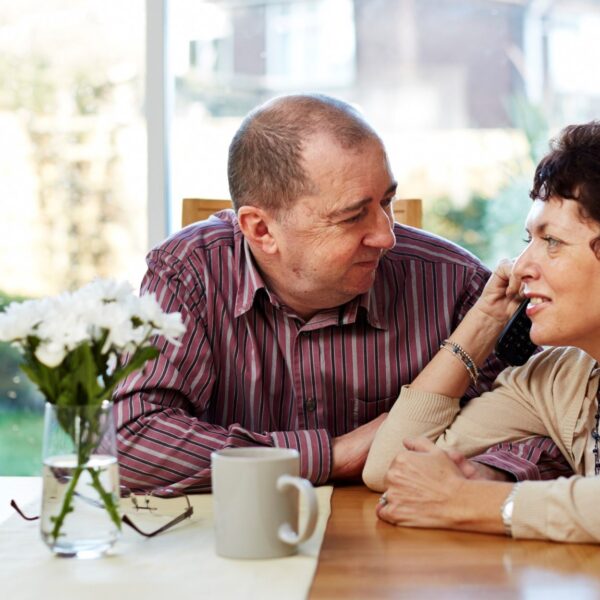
[527, 240]
[551, 242]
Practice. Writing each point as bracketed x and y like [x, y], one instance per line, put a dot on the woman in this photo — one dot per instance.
[553, 394]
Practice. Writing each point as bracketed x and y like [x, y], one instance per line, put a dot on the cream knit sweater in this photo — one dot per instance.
[551, 395]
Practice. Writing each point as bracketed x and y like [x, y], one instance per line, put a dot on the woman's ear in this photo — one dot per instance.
[257, 227]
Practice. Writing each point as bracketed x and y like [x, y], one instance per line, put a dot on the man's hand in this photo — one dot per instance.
[350, 450]
[474, 470]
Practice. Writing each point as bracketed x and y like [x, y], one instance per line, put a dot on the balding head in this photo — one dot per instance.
[265, 167]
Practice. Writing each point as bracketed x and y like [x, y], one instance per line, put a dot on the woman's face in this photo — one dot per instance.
[561, 276]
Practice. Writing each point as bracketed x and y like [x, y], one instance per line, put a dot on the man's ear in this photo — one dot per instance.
[256, 225]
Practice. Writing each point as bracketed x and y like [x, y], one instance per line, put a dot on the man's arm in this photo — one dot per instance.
[165, 446]
[351, 449]
[537, 458]
[165, 429]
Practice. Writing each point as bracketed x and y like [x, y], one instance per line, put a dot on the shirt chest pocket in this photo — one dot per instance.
[362, 410]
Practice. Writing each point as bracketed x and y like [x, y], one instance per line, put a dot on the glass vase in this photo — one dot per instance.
[80, 499]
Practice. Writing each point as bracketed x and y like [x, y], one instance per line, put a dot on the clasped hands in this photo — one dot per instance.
[427, 486]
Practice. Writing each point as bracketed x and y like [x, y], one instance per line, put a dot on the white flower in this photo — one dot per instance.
[106, 290]
[50, 353]
[104, 308]
[171, 327]
[116, 320]
[20, 319]
[112, 363]
[168, 325]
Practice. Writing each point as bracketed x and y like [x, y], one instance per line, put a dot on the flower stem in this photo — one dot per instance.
[66, 507]
[107, 498]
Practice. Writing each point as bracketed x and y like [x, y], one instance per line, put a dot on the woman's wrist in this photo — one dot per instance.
[477, 506]
[477, 334]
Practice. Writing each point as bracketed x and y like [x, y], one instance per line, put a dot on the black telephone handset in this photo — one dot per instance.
[514, 346]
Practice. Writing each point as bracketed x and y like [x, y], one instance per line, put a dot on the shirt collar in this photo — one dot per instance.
[250, 280]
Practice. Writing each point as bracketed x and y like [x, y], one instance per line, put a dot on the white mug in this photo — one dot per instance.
[255, 501]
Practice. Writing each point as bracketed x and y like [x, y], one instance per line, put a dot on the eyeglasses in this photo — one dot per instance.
[165, 509]
[161, 509]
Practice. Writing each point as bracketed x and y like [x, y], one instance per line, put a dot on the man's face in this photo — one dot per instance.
[330, 243]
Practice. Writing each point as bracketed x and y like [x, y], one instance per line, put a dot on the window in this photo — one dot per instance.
[72, 170]
[465, 93]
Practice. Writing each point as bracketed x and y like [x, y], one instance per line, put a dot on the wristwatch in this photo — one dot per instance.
[506, 511]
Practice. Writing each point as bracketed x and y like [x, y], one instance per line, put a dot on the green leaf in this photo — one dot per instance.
[46, 378]
[136, 360]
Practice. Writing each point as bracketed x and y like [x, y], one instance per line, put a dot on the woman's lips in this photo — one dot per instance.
[536, 303]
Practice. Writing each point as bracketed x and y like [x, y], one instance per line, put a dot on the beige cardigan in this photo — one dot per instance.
[551, 395]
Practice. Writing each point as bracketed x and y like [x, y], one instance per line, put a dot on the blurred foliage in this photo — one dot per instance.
[21, 413]
[494, 228]
[16, 391]
[461, 225]
[21, 442]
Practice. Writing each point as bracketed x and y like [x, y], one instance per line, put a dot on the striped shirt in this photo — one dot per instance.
[251, 372]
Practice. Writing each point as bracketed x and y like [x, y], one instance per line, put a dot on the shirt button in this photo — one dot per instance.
[310, 404]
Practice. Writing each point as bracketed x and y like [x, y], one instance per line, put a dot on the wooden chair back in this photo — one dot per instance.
[406, 211]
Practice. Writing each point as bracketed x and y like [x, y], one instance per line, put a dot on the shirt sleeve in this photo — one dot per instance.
[160, 438]
[537, 458]
[500, 415]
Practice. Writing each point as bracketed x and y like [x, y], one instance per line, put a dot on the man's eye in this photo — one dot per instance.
[388, 201]
[353, 219]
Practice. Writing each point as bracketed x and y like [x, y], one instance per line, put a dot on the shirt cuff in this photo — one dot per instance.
[314, 447]
[517, 467]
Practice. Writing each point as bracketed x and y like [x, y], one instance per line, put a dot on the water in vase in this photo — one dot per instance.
[87, 531]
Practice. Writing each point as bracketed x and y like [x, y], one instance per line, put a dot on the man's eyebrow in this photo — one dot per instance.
[392, 189]
[350, 208]
[360, 203]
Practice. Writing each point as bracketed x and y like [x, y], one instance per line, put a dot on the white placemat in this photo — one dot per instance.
[177, 564]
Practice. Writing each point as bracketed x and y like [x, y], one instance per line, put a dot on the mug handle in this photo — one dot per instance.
[286, 533]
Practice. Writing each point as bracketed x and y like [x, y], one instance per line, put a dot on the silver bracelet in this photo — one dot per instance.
[464, 358]
[506, 512]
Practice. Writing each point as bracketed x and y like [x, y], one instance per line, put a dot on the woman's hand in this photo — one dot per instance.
[423, 488]
[428, 487]
[500, 296]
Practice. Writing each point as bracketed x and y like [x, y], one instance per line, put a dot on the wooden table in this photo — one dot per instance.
[362, 557]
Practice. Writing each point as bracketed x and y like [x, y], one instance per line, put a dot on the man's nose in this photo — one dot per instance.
[382, 236]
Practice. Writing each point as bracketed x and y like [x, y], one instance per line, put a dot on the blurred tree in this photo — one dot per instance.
[464, 225]
[493, 228]
[504, 222]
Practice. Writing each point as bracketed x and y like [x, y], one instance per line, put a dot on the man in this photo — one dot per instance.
[306, 311]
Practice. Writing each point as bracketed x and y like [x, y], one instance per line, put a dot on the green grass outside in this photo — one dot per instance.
[21, 442]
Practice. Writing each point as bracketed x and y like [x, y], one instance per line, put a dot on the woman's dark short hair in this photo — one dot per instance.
[571, 169]
[265, 166]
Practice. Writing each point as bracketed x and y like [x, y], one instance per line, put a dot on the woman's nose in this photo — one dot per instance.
[524, 265]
